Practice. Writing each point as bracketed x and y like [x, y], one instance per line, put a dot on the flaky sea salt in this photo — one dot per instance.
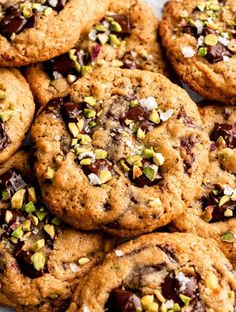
[74, 267]
[166, 115]
[94, 179]
[148, 103]
[119, 253]
[188, 52]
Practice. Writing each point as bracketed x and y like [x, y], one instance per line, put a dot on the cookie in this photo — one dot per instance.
[220, 123]
[125, 37]
[41, 258]
[213, 213]
[200, 40]
[37, 31]
[123, 151]
[160, 272]
[16, 111]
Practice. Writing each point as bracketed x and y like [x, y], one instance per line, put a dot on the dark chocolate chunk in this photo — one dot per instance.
[24, 261]
[189, 158]
[58, 6]
[122, 301]
[12, 181]
[97, 166]
[227, 132]
[4, 138]
[169, 252]
[215, 54]
[124, 22]
[61, 64]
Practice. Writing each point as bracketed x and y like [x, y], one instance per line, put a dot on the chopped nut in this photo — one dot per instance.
[185, 299]
[26, 225]
[103, 38]
[18, 232]
[50, 173]
[8, 216]
[100, 154]
[90, 100]
[32, 194]
[158, 159]
[104, 176]
[73, 129]
[114, 40]
[17, 199]
[83, 261]
[38, 245]
[38, 259]
[30, 208]
[50, 230]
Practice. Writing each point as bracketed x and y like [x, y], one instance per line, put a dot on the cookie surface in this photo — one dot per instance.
[42, 259]
[126, 37]
[159, 272]
[16, 111]
[199, 37]
[31, 32]
[213, 212]
[124, 150]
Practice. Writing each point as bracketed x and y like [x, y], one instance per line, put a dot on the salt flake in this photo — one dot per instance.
[148, 103]
[188, 52]
[119, 253]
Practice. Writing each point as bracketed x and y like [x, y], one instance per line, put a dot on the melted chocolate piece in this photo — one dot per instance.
[140, 115]
[24, 261]
[12, 181]
[124, 22]
[169, 252]
[72, 110]
[54, 106]
[60, 4]
[97, 166]
[4, 138]
[228, 132]
[130, 62]
[143, 180]
[122, 301]
[211, 205]
[191, 30]
[188, 144]
[189, 121]
[215, 54]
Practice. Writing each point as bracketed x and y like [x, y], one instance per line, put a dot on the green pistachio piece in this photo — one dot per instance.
[103, 38]
[85, 70]
[74, 141]
[100, 154]
[109, 18]
[137, 172]
[92, 124]
[38, 259]
[201, 6]
[124, 166]
[56, 221]
[14, 240]
[224, 199]
[50, 173]
[26, 225]
[229, 237]
[228, 213]
[8, 216]
[154, 117]
[185, 299]
[163, 308]
[133, 103]
[36, 6]
[86, 162]
[73, 129]
[176, 307]
[85, 139]
[211, 40]
[80, 125]
[17, 199]
[148, 153]
[132, 159]
[114, 40]
[32, 194]
[140, 134]
[6, 115]
[158, 159]
[34, 220]
[18, 232]
[72, 55]
[202, 51]
[27, 12]
[50, 230]
[30, 208]
[101, 28]
[114, 26]
[5, 195]
[105, 176]
[38, 245]
[150, 173]
[90, 100]
[213, 7]
[48, 11]
[80, 150]
[41, 215]
[3, 95]
[89, 113]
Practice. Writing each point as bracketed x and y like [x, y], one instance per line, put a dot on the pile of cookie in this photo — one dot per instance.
[117, 190]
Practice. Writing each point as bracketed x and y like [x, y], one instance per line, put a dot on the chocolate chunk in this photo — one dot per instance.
[12, 181]
[215, 54]
[189, 158]
[124, 22]
[189, 121]
[169, 252]
[137, 113]
[61, 64]
[122, 301]
[97, 166]
[144, 181]
[58, 5]
[191, 30]
[72, 110]
[24, 261]
[130, 61]
[228, 132]
[4, 138]
[54, 106]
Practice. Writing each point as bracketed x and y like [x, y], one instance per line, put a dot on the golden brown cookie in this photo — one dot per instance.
[160, 272]
[199, 37]
[126, 37]
[41, 258]
[124, 151]
[16, 111]
[34, 31]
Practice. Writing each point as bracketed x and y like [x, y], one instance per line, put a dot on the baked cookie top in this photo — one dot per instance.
[159, 272]
[125, 37]
[41, 258]
[200, 39]
[33, 31]
[213, 212]
[16, 111]
[125, 150]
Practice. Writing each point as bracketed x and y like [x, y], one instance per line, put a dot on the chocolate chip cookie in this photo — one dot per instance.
[213, 212]
[33, 31]
[160, 272]
[123, 151]
[16, 111]
[200, 40]
[41, 258]
[125, 37]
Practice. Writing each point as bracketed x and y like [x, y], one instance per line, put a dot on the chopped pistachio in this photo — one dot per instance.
[133, 103]
[35, 220]
[80, 125]
[77, 66]
[83, 261]
[228, 213]
[26, 236]
[17, 199]
[114, 40]
[36, 6]
[6, 115]
[103, 38]
[89, 113]
[101, 27]
[140, 134]
[85, 70]
[132, 159]
[38, 245]
[73, 129]
[38, 259]
[147, 301]
[80, 150]
[115, 27]
[105, 176]
[8, 216]
[32, 194]
[41, 215]
[163, 308]
[85, 139]
[72, 55]
[56, 221]
[50, 230]
[211, 40]
[185, 299]
[229, 237]
[176, 307]
[224, 199]
[14, 240]
[154, 117]
[74, 141]
[150, 173]
[148, 153]
[50, 173]
[5, 195]
[201, 6]
[202, 51]
[26, 225]
[90, 100]
[137, 172]
[124, 166]
[100, 154]
[27, 12]
[213, 7]
[48, 11]
[159, 296]
[86, 161]
[18, 232]
[92, 124]
[158, 159]
[30, 208]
